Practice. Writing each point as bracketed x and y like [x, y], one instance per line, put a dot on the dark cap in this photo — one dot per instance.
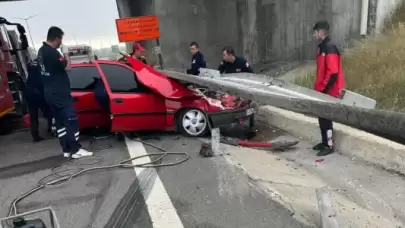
[321, 25]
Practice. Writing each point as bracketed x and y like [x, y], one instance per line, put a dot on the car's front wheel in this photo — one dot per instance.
[193, 122]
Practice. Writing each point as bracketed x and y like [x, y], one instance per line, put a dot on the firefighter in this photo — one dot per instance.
[137, 52]
[329, 80]
[233, 64]
[36, 100]
[56, 83]
[197, 59]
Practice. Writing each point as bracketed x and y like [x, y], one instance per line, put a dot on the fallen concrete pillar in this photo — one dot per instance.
[377, 121]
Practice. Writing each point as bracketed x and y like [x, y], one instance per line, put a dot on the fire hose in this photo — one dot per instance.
[58, 177]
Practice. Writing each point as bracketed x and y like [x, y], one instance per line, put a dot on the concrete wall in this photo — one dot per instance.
[261, 30]
[384, 9]
[285, 27]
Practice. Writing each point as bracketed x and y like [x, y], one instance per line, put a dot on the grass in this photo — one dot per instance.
[375, 66]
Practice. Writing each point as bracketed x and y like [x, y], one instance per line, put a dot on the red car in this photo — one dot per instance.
[139, 97]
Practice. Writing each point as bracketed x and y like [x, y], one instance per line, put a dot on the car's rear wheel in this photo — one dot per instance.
[193, 122]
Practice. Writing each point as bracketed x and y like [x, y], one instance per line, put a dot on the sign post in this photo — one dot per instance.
[132, 29]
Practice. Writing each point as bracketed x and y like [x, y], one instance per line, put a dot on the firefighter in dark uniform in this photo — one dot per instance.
[197, 59]
[329, 80]
[56, 83]
[233, 64]
[36, 100]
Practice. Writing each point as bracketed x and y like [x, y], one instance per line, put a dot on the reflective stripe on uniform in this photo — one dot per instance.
[61, 130]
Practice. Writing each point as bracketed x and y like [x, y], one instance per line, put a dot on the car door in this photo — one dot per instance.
[132, 106]
[90, 113]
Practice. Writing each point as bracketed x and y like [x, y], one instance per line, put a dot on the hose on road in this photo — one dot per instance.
[58, 177]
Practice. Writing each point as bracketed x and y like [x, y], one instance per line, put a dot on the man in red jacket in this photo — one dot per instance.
[329, 80]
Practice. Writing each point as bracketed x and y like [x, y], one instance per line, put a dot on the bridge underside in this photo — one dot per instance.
[212, 24]
[261, 30]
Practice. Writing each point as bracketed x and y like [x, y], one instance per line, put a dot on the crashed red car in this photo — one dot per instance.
[142, 98]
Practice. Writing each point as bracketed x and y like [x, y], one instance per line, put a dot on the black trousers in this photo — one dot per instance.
[66, 122]
[326, 127]
[36, 103]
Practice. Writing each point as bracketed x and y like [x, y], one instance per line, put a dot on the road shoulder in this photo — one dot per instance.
[291, 177]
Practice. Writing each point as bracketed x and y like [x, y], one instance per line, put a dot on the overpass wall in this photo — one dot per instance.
[383, 9]
[261, 30]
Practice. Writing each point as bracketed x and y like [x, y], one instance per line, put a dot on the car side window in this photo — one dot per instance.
[119, 78]
[83, 78]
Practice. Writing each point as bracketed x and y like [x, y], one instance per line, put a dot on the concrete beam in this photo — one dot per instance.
[377, 121]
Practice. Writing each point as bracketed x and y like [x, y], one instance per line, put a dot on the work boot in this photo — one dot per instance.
[82, 153]
[319, 146]
[325, 151]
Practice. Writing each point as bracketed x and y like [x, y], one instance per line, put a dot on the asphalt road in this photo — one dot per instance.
[202, 192]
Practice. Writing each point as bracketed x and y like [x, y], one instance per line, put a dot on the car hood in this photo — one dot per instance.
[158, 82]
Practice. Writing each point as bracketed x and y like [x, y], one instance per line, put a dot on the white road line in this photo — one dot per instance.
[161, 210]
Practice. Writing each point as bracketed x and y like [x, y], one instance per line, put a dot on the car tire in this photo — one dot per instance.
[192, 123]
[6, 125]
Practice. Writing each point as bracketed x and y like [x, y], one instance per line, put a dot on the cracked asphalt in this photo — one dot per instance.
[205, 192]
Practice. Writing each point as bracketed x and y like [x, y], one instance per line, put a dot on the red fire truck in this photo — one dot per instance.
[14, 57]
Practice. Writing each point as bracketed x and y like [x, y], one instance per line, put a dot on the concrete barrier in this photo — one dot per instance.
[348, 141]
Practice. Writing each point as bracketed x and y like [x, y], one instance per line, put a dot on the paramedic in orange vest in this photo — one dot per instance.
[329, 80]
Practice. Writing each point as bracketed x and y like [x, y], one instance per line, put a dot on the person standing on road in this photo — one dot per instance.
[197, 59]
[329, 80]
[36, 100]
[233, 64]
[56, 83]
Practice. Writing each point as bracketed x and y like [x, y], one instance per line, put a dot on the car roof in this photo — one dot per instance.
[91, 63]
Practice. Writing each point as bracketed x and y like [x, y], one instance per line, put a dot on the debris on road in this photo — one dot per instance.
[259, 145]
[213, 148]
[206, 150]
[318, 161]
